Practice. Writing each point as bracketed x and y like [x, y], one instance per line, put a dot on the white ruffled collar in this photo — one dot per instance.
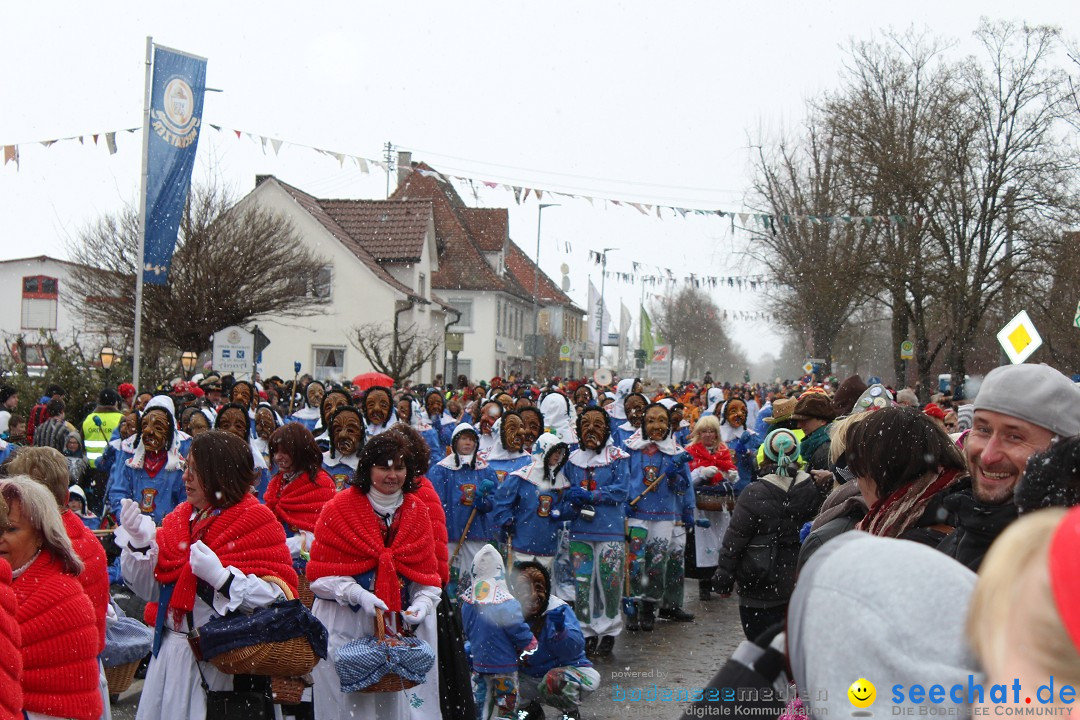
[608, 454]
[350, 460]
[668, 446]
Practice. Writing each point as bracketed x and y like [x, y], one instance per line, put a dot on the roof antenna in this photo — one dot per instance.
[389, 148]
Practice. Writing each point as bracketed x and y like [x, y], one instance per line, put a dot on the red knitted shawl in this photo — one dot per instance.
[95, 575]
[59, 643]
[245, 535]
[300, 502]
[426, 492]
[348, 541]
[11, 699]
[701, 457]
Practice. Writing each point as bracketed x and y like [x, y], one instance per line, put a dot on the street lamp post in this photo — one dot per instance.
[600, 329]
[187, 361]
[536, 288]
[107, 356]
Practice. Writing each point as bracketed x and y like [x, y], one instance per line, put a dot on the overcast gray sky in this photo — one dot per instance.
[648, 102]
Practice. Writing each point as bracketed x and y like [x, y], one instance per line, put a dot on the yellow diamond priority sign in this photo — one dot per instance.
[808, 368]
[1019, 338]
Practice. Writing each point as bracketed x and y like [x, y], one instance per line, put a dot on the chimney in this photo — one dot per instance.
[404, 166]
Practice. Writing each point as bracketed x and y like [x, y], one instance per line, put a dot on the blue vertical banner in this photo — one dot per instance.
[176, 107]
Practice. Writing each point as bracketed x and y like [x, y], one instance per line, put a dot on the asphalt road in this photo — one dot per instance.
[675, 655]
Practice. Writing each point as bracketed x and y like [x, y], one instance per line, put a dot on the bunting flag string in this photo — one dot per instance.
[750, 221]
[752, 283]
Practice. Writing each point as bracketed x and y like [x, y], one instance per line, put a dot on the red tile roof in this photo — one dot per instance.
[392, 231]
[461, 265]
[490, 227]
[523, 269]
[315, 209]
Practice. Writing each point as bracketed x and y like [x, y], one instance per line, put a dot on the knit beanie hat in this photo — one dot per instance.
[1038, 394]
[781, 447]
[934, 410]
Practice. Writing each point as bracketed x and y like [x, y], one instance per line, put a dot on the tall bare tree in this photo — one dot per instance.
[1006, 172]
[818, 264]
[691, 323]
[399, 352]
[896, 95]
[232, 264]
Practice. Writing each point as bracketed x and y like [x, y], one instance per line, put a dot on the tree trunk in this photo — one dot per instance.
[899, 330]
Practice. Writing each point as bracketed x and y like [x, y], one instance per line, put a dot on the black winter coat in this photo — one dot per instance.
[977, 525]
[760, 550]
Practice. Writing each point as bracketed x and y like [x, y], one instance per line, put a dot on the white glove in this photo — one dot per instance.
[206, 565]
[368, 601]
[732, 476]
[140, 528]
[709, 471]
[419, 610]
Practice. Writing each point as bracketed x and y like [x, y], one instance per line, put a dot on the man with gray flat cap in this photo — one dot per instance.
[1019, 411]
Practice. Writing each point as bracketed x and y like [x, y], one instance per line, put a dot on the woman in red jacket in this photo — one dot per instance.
[711, 466]
[11, 699]
[55, 617]
[208, 558]
[297, 494]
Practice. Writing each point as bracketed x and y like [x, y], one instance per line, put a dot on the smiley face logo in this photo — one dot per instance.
[862, 693]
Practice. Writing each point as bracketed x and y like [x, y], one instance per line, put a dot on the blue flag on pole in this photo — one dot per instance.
[176, 107]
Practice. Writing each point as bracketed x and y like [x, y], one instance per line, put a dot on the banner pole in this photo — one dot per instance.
[137, 352]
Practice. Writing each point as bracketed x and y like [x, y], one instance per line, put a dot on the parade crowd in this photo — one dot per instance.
[315, 550]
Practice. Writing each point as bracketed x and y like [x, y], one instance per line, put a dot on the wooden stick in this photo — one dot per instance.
[652, 486]
[465, 532]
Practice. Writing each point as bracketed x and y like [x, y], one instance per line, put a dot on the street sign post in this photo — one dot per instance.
[234, 351]
[1019, 338]
[907, 350]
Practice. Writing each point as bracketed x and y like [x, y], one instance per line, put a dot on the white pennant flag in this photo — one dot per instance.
[743, 217]
[362, 164]
[277, 145]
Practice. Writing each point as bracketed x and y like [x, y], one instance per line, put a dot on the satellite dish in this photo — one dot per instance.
[602, 377]
[564, 269]
[565, 283]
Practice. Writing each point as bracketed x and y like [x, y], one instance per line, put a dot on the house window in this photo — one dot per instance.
[329, 363]
[39, 301]
[421, 290]
[321, 286]
[464, 307]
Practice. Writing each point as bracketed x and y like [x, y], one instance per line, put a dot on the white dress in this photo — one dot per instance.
[173, 686]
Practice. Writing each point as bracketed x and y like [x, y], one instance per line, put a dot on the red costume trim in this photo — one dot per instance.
[1064, 580]
[95, 575]
[59, 642]
[701, 457]
[298, 505]
[246, 536]
[349, 542]
[426, 492]
[11, 698]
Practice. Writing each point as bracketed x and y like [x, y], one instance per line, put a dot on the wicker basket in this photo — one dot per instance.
[303, 591]
[289, 658]
[287, 690]
[390, 682]
[120, 677]
[714, 502]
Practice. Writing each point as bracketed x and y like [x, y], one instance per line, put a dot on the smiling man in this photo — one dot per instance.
[1020, 410]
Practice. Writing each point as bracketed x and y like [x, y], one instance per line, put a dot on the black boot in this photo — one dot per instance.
[633, 622]
[607, 643]
[648, 615]
[590, 646]
[676, 614]
[570, 714]
[532, 711]
[705, 589]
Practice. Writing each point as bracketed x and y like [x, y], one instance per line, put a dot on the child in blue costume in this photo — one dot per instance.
[525, 503]
[680, 429]
[497, 636]
[441, 422]
[346, 442]
[466, 487]
[152, 476]
[595, 504]
[509, 452]
[633, 406]
[657, 464]
[235, 419]
[331, 402]
[558, 674]
[309, 415]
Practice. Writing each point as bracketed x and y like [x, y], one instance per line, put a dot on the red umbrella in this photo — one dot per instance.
[371, 379]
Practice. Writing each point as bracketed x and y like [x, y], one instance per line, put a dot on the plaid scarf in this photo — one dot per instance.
[894, 515]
